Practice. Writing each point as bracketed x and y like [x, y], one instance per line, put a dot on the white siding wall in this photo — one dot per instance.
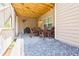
[67, 23]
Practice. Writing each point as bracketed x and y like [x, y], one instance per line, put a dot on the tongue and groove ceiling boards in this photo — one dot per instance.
[32, 10]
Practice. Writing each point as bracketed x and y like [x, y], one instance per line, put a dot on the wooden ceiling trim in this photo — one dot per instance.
[49, 5]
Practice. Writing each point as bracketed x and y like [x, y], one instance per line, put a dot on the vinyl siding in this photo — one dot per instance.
[67, 22]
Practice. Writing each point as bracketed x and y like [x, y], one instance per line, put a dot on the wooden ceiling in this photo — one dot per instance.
[32, 10]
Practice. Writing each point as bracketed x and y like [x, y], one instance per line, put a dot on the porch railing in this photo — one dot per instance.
[6, 37]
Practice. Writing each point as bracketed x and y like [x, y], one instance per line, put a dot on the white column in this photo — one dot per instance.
[13, 20]
[17, 33]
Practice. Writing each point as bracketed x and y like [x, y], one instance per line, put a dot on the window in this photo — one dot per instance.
[48, 22]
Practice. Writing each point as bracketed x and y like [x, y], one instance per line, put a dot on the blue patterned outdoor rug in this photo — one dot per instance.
[36, 46]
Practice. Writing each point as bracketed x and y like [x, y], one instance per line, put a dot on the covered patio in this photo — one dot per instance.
[52, 29]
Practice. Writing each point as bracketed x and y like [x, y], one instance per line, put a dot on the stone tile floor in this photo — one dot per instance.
[36, 46]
